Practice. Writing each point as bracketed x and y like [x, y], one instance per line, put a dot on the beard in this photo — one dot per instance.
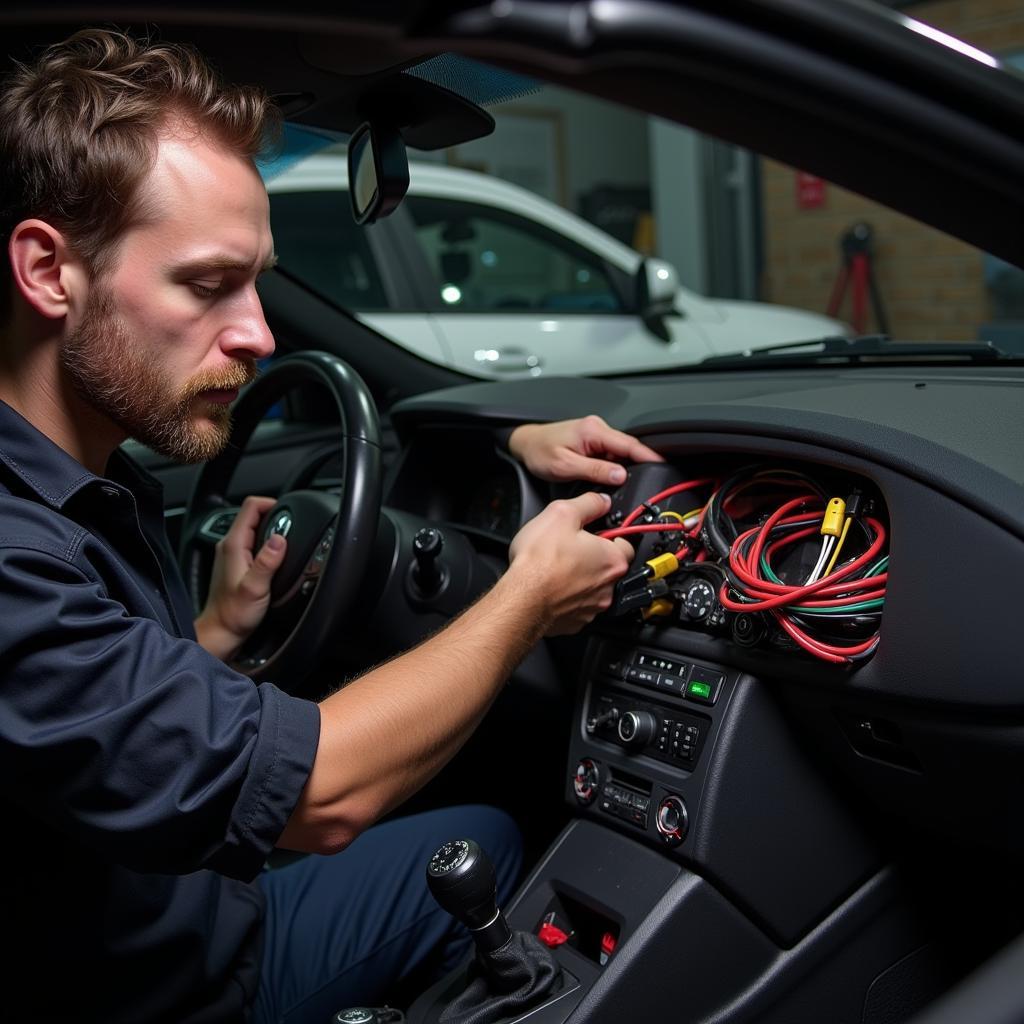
[109, 371]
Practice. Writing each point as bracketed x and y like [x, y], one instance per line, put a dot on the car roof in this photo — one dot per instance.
[847, 90]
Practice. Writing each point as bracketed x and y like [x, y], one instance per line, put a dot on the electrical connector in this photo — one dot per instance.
[832, 520]
[641, 598]
[658, 608]
[663, 565]
[653, 569]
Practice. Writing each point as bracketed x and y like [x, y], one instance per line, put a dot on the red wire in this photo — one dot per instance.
[776, 595]
[837, 602]
[820, 649]
[689, 485]
[836, 589]
[625, 531]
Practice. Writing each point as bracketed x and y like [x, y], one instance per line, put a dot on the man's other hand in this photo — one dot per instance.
[240, 583]
[573, 572]
[583, 449]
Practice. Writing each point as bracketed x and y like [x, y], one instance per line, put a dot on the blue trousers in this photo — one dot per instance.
[343, 930]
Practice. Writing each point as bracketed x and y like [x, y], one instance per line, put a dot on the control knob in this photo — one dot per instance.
[586, 780]
[637, 728]
[699, 599]
[672, 821]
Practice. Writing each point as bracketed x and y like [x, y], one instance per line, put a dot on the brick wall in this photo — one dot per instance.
[932, 285]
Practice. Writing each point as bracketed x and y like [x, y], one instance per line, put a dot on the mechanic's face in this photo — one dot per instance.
[175, 328]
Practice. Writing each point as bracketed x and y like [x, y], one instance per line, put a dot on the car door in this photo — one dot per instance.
[513, 297]
[356, 268]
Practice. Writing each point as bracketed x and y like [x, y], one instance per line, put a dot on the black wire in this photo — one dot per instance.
[717, 524]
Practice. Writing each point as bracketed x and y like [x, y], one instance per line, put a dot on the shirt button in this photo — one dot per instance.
[111, 492]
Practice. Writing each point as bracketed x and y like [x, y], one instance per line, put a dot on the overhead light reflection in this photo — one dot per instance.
[951, 41]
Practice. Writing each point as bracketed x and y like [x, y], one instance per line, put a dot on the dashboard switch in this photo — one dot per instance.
[703, 685]
[642, 676]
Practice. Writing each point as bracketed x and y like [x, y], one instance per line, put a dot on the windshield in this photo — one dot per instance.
[584, 238]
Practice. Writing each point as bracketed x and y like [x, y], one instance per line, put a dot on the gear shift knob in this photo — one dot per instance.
[462, 880]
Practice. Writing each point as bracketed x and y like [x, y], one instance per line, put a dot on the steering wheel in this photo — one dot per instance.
[330, 537]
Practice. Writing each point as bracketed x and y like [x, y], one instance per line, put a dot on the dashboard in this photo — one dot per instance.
[932, 717]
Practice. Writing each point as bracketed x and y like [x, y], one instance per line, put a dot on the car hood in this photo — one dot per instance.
[754, 324]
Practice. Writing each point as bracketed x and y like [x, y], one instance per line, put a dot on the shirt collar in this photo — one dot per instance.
[49, 471]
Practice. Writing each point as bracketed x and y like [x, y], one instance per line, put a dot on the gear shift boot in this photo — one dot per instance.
[505, 983]
[513, 971]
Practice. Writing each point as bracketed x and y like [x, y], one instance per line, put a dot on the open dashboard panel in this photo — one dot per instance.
[666, 722]
[771, 554]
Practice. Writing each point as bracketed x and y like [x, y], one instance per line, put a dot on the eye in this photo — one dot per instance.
[206, 291]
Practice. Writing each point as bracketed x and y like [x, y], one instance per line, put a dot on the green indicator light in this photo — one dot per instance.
[700, 689]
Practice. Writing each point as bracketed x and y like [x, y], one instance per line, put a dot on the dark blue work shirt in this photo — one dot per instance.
[144, 782]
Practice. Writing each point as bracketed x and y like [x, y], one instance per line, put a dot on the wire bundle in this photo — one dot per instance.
[687, 525]
[851, 592]
[839, 595]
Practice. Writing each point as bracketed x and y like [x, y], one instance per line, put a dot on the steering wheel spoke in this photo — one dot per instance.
[214, 527]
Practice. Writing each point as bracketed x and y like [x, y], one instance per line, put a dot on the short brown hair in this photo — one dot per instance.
[79, 131]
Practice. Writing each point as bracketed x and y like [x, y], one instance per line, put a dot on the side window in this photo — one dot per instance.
[486, 260]
[318, 242]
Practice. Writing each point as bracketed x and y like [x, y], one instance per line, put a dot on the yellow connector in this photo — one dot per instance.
[659, 606]
[832, 521]
[662, 565]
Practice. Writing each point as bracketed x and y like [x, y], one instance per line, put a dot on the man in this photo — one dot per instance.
[145, 782]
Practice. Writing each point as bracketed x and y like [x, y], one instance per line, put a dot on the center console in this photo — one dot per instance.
[712, 871]
[645, 720]
[708, 869]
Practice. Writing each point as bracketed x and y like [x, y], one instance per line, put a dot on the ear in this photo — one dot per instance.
[46, 273]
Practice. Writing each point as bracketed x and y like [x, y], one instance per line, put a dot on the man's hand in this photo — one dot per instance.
[574, 572]
[577, 450]
[240, 584]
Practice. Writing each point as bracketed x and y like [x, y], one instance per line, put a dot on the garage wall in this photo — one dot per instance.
[933, 287]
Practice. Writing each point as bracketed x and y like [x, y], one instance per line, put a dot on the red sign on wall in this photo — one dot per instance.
[810, 191]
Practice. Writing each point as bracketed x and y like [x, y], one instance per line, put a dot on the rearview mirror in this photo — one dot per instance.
[378, 172]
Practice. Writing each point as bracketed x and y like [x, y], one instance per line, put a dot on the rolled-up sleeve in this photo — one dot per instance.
[137, 743]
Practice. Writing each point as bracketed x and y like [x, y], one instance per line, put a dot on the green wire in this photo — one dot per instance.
[845, 609]
[881, 564]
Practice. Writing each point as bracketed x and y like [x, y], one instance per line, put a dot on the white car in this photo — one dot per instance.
[482, 276]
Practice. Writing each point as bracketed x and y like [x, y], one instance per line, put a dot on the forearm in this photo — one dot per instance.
[388, 732]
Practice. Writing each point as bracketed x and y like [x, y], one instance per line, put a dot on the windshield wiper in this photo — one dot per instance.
[866, 348]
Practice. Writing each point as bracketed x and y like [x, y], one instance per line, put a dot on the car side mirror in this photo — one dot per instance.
[378, 171]
[657, 283]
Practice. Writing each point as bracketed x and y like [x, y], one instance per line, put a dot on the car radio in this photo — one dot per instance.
[645, 719]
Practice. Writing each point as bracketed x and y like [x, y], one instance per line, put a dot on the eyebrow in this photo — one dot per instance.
[224, 263]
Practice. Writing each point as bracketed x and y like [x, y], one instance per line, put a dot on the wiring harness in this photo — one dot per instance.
[755, 535]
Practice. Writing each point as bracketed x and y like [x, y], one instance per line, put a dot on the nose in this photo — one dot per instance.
[247, 332]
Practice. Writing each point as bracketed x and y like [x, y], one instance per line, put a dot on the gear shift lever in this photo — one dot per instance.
[462, 880]
[512, 971]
